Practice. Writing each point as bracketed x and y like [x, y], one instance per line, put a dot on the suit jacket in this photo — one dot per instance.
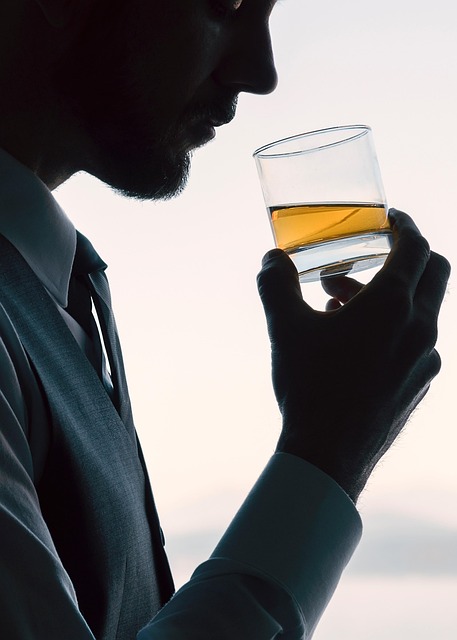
[94, 493]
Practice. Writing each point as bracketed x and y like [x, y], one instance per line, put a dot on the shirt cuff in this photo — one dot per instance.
[298, 528]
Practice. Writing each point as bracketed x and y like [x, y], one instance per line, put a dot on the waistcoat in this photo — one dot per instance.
[94, 493]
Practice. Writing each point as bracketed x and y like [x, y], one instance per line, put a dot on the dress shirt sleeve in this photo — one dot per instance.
[37, 600]
[277, 566]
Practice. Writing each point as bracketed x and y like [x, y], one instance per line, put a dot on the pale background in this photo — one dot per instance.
[183, 280]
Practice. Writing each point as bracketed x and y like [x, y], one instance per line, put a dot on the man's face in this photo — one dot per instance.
[150, 79]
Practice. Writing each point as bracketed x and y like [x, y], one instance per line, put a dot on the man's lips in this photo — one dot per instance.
[221, 119]
[216, 114]
[206, 126]
[220, 116]
[205, 118]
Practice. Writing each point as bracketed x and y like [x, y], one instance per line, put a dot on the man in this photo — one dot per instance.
[126, 91]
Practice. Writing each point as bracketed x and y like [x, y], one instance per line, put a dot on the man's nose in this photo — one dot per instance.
[248, 65]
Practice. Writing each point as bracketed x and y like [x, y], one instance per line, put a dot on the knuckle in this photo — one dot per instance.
[260, 279]
[400, 300]
[418, 340]
[426, 334]
[419, 247]
[266, 279]
[443, 265]
[279, 268]
[414, 242]
[435, 363]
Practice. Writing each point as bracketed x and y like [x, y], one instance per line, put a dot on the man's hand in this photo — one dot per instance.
[346, 380]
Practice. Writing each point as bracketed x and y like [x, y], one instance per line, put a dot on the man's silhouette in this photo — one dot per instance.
[126, 91]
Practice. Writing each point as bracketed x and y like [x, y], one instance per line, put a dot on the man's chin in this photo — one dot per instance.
[145, 179]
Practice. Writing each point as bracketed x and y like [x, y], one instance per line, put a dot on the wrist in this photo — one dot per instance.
[331, 463]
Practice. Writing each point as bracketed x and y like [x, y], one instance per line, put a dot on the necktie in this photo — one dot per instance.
[99, 287]
[89, 273]
[80, 308]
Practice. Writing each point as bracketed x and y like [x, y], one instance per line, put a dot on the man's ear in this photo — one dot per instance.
[59, 13]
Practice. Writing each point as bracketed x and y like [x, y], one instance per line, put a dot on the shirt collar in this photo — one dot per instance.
[32, 220]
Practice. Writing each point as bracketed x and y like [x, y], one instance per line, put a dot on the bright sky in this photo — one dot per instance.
[190, 320]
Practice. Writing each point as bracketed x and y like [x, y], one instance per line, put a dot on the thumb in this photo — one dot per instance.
[278, 283]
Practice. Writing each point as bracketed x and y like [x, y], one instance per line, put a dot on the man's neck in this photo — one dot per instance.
[37, 152]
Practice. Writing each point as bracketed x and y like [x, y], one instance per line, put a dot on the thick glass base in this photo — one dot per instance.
[342, 256]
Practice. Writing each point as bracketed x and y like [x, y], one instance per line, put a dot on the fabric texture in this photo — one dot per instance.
[93, 493]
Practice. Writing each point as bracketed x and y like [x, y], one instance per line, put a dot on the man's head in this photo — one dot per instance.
[126, 90]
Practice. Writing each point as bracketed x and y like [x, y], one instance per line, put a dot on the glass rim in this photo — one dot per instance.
[362, 129]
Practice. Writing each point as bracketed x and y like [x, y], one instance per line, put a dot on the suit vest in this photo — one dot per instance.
[94, 493]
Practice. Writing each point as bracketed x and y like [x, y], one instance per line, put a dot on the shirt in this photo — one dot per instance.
[274, 569]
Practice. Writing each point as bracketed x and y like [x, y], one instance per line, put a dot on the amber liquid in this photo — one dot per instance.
[300, 225]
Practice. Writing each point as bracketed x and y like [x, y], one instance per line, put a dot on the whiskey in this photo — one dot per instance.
[300, 225]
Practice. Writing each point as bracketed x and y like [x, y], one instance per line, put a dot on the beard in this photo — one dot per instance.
[139, 170]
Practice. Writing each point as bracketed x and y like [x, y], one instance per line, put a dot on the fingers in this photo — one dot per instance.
[341, 288]
[409, 256]
[432, 286]
[332, 304]
[404, 267]
[414, 272]
[427, 301]
[278, 283]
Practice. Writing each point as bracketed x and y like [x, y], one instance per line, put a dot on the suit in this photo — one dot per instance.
[94, 493]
